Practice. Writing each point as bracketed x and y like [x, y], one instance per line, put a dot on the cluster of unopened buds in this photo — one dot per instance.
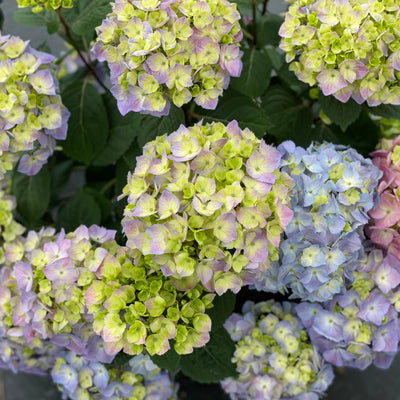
[274, 356]
[40, 5]
[349, 48]
[162, 51]
[208, 204]
[32, 116]
[335, 188]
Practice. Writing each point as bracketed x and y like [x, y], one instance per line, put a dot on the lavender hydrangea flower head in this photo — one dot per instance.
[361, 326]
[208, 204]
[135, 307]
[349, 48]
[77, 378]
[273, 356]
[40, 5]
[45, 279]
[32, 115]
[162, 52]
[335, 188]
[384, 226]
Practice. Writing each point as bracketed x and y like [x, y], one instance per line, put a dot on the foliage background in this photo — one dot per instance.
[372, 384]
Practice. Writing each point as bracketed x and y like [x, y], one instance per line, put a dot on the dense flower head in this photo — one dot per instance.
[274, 357]
[335, 188]
[389, 128]
[32, 115]
[135, 307]
[349, 48]
[43, 283]
[139, 379]
[40, 5]
[207, 204]
[384, 226]
[163, 51]
[361, 326]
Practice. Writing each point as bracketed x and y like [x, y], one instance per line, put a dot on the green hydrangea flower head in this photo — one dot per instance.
[208, 204]
[349, 48]
[40, 5]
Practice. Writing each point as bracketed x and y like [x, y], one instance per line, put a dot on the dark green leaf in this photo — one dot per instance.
[120, 360]
[292, 118]
[235, 106]
[151, 127]
[25, 16]
[255, 76]
[53, 26]
[88, 124]
[267, 30]
[123, 130]
[223, 308]
[80, 209]
[342, 114]
[102, 201]
[289, 80]
[169, 361]
[59, 177]
[385, 110]
[32, 193]
[275, 58]
[211, 363]
[91, 16]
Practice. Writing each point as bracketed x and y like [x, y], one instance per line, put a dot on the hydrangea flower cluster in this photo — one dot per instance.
[349, 48]
[39, 5]
[43, 285]
[135, 307]
[163, 51]
[32, 115]
[273, 356]
[335, 188]
[389, 127]
[139, 379]
[384, 227]
[208, 203]
[361, 326]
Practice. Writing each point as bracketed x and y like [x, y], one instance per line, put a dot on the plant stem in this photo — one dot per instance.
[75, 46]
[254, 23]
[264, 9]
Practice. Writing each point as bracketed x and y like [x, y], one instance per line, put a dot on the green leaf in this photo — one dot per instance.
[59, 178]
[123, 130]
[275, 58]
[91, 16]
[88, 124]
[290, 81]
[255, 76]
[32, 193]
[80, 209]
[235, 106]
[211, 363]
[385, 110]
[267, 30]
[151, 127]
[292, 118]
[25, 16]
[119, 360]
[169, 361]
[342, 114]
[102, 201]
[223, 308]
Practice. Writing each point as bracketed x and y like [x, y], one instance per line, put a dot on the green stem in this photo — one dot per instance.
[253, 6]
[264, 9]
[75, 46]
[108, 185]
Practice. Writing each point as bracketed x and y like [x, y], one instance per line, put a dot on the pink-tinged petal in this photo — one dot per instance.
[133, 228]
[256, 248]
[352, 70]
[227, 281]
[113, 347]
[205, 271]
[63, 270]
[287, 28]
[24, 276]
[206, 209]
[394, 59]
[284, 214]
[382, 237]
[158, 238]
[331, 81]
[261, 164]
[344, 94]
[387, 275]
[167, 205]
[230, 59]
[145, 206]
[388, 211]
[43, 82]
[225, 228]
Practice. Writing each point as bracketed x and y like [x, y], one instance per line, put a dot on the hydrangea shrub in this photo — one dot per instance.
[162, 52]
[349, 48]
